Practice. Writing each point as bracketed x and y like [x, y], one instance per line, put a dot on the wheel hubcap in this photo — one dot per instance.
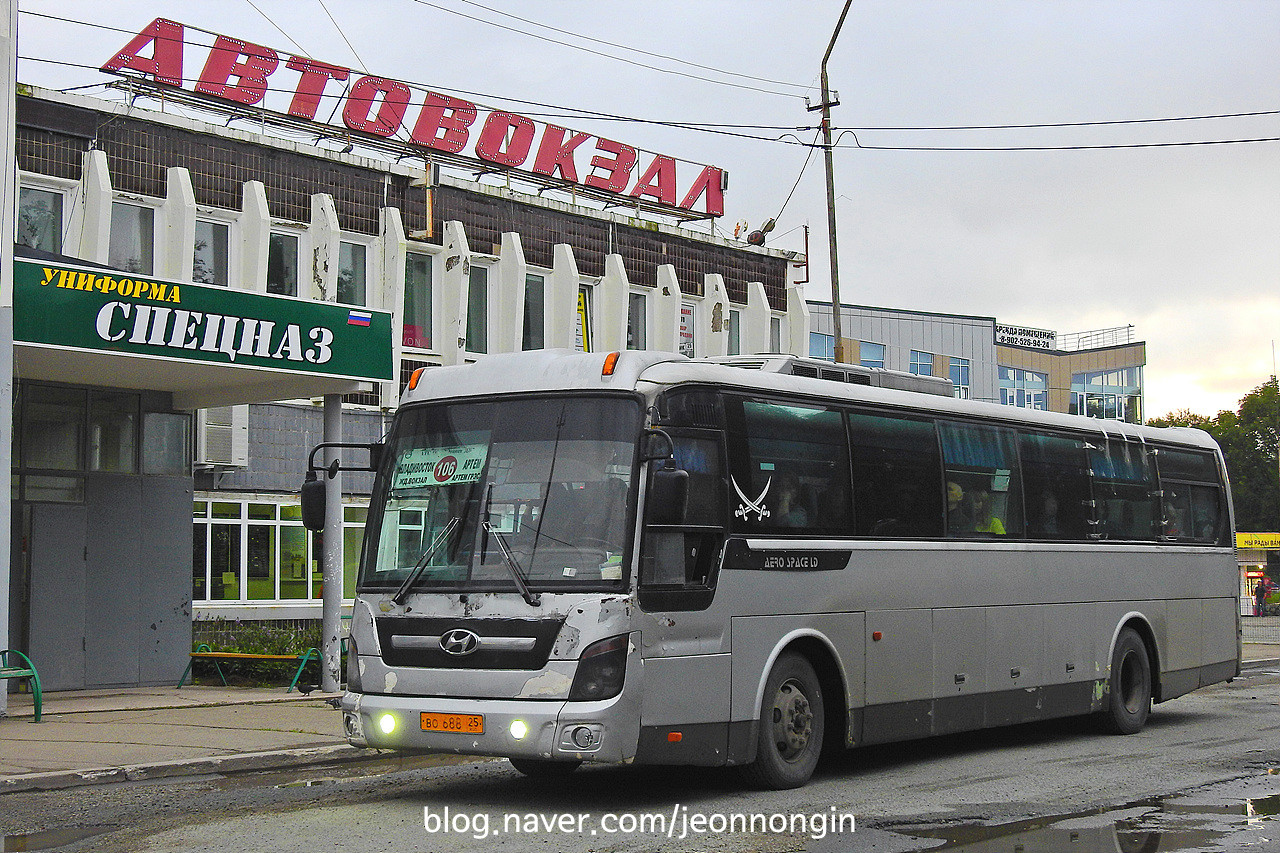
[792, 720]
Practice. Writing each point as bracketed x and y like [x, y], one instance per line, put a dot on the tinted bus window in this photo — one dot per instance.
[1124, 491]
[1191, 497]
[1056, 481]
[790, 468]
[896, 476]
[983, 488]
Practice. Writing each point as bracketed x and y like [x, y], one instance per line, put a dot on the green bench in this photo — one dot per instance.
[203, 652]
[9, 670]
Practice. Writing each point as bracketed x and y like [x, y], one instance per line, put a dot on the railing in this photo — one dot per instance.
[1113, 337]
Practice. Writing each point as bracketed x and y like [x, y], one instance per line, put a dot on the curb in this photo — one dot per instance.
[224, 764]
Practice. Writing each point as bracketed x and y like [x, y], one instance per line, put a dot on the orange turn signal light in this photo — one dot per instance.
[610, 362]
[413, 379]
[675, 737]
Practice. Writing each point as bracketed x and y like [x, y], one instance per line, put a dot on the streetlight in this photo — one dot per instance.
[826, 106]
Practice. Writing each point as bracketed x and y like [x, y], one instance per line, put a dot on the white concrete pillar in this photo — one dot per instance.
[613, 296]
[454, 282]
[255, 238]
[755, 320]
[89, 225]
[797, 322]
[318, 275]
[390, 296]
[177, 233]
[715, 316]
[665, 312]
[561, 302]
[509, 302]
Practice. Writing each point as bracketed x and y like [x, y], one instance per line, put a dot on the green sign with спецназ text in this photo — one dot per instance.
[109, 311]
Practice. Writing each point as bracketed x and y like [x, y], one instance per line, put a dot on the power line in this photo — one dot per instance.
[605, 55]
[279, 29]
[805, 86]
[363, 65]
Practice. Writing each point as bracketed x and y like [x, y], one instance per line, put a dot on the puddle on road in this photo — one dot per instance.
[1177, 824]
[52, 838]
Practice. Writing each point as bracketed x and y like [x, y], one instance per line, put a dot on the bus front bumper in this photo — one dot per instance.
[553, 731]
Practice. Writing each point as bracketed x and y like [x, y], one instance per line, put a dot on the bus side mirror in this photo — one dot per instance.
[313, 503]
[668, 499]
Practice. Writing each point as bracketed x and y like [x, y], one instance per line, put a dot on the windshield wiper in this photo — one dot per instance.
[532, 598]
[419, 566]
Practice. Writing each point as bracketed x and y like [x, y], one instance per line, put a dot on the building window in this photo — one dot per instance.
[133, 235]
[960, 377]
[210, 264]
[282, 264]
[921, 363]
[822, 346]
[735, 331]
[478, 309]
[416, 331]
[352, 273]
[685, 345]
[869, 354]
[1111, 394]
[1025, 389]
[775, 334]
[113, 432]
[39, 222]
[251, 551]
[533, 335]
[638, 321]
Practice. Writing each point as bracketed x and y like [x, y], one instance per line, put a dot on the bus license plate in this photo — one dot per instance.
[466, 724]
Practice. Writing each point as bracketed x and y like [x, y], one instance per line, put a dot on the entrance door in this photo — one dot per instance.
[57, 540]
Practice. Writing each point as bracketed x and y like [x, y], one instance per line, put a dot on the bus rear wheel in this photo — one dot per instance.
[789, 740]
[1129, 688]
[536, 768]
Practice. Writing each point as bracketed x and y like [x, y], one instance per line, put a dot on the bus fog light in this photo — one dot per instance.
[519, 729]
[387, 723]
[583, 737]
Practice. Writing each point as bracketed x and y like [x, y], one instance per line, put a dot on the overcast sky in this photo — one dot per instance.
[1182, 242]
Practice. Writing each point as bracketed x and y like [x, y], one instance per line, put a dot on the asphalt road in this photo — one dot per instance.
[1196, 778]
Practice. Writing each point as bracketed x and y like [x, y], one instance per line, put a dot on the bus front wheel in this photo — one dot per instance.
[789, 740]
[1129, 688]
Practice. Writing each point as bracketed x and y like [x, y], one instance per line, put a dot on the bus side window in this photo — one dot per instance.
[896, 476]
[983, 482]
[789, 468]
[1055, 480]
[1124, 490]
[1191, 497]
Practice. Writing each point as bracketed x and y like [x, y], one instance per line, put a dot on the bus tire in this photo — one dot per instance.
[789, 740]
[536, 768]
[1129, 688]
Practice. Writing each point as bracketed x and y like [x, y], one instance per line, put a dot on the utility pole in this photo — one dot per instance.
[825, 106]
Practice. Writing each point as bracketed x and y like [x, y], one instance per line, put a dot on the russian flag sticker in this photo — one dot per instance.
[359, 318]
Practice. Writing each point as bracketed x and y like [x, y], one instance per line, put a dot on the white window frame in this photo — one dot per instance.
[298, 231]
[646, 316]
[434, 253]
[372, 268]
[489, 263]
[218, 216]
[59, 186]
[158, 232]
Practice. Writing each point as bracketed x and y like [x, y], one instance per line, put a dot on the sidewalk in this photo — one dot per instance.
[90, 737]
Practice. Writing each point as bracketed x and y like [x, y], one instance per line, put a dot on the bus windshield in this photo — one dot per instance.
[497, 496]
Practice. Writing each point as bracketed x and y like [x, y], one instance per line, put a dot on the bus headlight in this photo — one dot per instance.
[387, 723]
[601, 670]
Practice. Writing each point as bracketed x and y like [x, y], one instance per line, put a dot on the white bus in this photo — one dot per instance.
[574, 557]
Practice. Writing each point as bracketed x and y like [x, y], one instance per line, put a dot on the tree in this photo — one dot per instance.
[1248, 438]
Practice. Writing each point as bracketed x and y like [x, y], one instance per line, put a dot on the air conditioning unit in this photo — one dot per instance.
[222, 437]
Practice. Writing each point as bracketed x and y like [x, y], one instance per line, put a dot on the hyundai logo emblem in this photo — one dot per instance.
[459, 642]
